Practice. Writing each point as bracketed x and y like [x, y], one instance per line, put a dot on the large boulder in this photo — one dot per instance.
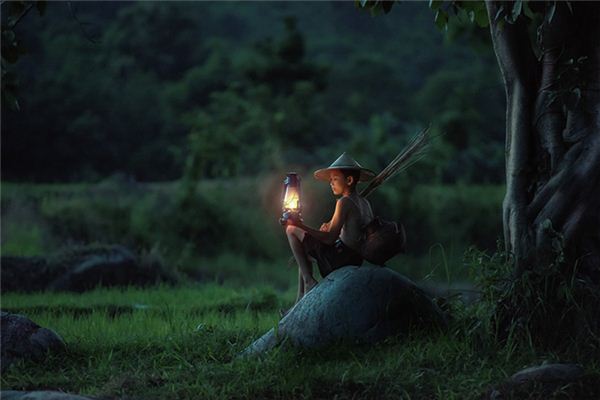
[39, 395]
[82, 268]
[24, 339]
[363, 304]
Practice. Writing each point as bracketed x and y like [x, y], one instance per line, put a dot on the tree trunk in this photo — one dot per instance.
[552, 204]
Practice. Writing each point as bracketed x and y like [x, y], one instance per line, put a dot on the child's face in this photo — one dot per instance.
[338, 183]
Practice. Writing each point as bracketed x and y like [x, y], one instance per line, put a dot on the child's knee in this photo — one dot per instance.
[294, 231]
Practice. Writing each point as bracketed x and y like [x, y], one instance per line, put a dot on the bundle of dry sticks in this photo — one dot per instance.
[413, 152]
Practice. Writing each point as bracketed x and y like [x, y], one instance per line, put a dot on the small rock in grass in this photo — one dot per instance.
[24, 339]
[544, 381]
[39, 395]
[548, 373]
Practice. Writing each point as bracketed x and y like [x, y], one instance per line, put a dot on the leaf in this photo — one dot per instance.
[435, 4]
[441, 19]
[363, 3]
[516, 10]
[499, 13]
[528, 11]
[462, 16]
[481, 18]
[550, 12]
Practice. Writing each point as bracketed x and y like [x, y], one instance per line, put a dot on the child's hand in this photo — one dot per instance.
[324, 227]
[291, 220]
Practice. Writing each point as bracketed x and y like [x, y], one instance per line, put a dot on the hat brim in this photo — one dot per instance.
[323, 173]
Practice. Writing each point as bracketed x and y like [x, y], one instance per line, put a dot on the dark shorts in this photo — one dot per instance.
[330, 257]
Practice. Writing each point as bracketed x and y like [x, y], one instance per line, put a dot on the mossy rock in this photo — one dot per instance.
[356, 304]
[40, 395]
[24, 339]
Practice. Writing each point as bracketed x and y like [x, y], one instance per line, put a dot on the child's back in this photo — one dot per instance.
[359, 215]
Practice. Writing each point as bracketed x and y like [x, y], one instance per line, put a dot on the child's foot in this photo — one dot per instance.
[309, 285]
[283, 312]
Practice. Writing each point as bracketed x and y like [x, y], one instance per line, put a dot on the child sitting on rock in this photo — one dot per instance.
[337, 243]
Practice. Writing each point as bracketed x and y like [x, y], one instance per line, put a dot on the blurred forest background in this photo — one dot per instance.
[168, 127]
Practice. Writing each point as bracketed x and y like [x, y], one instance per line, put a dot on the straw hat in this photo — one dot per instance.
[344, 162]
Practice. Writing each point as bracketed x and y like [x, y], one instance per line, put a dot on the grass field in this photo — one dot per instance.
[182, 343]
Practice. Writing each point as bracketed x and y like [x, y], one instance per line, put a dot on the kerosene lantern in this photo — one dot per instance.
[291, 199]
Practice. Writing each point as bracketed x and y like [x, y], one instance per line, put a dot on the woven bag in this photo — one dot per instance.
[384, 239]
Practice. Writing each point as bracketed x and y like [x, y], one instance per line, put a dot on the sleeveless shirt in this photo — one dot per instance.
[352, 233]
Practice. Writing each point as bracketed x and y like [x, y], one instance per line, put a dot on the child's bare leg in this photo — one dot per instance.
[306, 287]
[300, 286]
[295, 236]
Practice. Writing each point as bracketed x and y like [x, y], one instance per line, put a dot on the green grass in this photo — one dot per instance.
[181, 343]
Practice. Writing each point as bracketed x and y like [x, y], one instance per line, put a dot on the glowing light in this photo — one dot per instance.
[292, 199]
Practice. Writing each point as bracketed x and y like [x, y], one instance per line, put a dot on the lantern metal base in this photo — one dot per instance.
[290, 215]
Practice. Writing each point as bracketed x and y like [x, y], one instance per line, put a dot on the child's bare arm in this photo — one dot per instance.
[325, 226]
[335, 225]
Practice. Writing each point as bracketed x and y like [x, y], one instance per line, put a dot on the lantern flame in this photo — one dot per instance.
[292, 199]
